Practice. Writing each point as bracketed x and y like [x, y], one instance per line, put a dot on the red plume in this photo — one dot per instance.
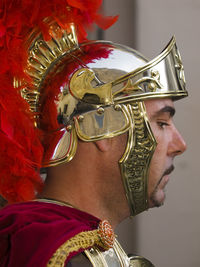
[21, 150]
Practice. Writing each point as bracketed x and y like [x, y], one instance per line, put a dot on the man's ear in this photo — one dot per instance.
[104, 144]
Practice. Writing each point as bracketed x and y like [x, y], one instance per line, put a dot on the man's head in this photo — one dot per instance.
[99, 91]
[79, 91]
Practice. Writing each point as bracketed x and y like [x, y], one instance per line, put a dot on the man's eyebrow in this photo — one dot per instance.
[166, 109]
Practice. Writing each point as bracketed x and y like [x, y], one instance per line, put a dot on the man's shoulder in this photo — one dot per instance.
[38, 211]
[31, 213]
[38, 229]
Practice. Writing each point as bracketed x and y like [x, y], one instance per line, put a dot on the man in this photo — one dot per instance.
[105, 120]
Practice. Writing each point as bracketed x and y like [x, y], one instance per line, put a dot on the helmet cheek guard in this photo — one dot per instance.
[96, 90]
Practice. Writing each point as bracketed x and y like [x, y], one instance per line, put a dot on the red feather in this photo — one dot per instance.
[20, 142]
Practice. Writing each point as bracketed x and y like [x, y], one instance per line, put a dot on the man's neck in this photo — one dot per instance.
[88, 183]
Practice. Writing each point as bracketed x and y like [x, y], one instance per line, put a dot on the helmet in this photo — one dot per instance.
[93, 90]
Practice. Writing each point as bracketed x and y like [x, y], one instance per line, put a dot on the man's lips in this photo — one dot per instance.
[169, 170]
[166, 172]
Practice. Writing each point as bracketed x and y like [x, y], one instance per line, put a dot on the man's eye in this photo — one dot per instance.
[162, 124]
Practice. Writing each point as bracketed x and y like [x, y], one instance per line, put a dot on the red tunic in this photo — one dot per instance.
[31, 232]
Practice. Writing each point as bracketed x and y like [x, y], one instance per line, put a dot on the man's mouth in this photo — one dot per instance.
[167, 172]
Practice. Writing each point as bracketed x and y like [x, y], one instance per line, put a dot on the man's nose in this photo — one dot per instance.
[178, 144]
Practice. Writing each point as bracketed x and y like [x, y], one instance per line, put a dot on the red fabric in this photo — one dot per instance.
[31, 232]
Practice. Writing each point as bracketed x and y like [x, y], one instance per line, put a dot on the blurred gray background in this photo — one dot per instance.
[168, 236]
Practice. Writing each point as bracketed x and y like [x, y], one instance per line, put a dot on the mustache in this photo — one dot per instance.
[169, 170]
[166, 172]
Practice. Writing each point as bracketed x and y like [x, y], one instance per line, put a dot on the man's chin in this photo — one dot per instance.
[157, 199]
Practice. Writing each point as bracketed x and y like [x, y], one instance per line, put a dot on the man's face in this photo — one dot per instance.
[169, 144]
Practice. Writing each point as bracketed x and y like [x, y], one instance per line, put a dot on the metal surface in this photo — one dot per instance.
[43, 56]
[138, 261]
[87, 99]
[115, 257]
[136, 160]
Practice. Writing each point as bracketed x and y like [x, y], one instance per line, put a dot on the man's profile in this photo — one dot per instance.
[99, 117]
